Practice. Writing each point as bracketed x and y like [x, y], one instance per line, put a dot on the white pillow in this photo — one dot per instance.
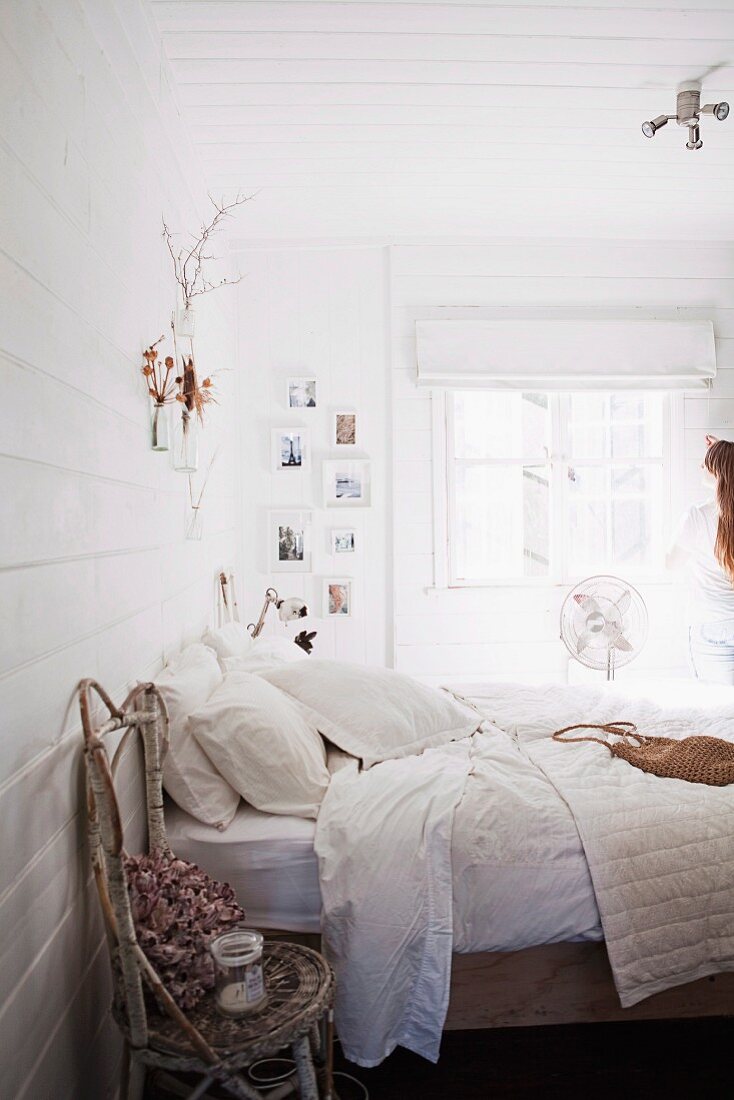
[230, 640]
[258, 739]
[265, 653]
[373, 713]
[188, 774]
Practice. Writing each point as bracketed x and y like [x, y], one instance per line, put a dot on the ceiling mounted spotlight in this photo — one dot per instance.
[694, 138]
[718, 110]
[688, 113]
[649, 129]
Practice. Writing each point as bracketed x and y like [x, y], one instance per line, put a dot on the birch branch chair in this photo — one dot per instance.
[300, 983]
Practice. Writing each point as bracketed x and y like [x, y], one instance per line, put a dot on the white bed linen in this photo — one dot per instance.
[268, 859]
[405, 882]
[383, 838]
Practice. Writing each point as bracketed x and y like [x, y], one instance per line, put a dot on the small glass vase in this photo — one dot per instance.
[186, 444]
[194, 523]
[159, 427]
[185, 322]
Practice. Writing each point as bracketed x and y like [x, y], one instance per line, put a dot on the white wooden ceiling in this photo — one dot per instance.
[423, 119]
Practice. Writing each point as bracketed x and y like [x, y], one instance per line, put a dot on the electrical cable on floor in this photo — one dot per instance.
[283, 1075]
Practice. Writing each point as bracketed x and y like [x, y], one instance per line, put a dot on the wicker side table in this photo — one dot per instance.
[297, 1015]
[158, 1033]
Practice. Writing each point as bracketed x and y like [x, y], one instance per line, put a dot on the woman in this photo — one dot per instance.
[704, 544]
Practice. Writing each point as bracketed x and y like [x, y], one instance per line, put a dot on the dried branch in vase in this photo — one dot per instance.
[196, 501]
[159, 376]
[189, 263]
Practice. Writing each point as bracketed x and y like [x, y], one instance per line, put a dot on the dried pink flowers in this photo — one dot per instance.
[178, 910]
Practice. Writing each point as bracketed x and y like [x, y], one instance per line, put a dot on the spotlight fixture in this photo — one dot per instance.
[649, 129]
[688, 113]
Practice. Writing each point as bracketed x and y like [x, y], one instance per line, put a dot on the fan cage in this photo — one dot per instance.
[600, 652]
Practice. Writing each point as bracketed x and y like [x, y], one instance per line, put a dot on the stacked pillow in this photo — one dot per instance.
[189, 776]
[372, 713]
[263, 745]
[257, 731]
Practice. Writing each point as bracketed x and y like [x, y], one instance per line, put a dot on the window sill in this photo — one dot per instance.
[653, 581]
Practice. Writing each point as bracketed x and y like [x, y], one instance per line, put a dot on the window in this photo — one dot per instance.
[554, 486]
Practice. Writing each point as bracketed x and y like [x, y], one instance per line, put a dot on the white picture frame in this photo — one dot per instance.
[343, 540]
[289, 541]
[290, 450]
[301, 392]
[338, 598]
[347, 483]
[344, 428]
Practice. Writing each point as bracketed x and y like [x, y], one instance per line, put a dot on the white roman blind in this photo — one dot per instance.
[565, 355]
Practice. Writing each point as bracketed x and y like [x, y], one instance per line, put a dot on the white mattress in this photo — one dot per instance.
[268, 859]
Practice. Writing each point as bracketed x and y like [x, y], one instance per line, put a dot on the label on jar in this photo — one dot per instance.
[233, 997]
[254, 983]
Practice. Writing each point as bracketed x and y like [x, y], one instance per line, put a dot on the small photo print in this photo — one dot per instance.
[301, 393]
[290, 543]
[338, 599]
[289, 546]
[346, 484]
[345, 429]
[290, 449]
[343, 540]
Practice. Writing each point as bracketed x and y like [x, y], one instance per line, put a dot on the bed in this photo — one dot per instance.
[473, 880]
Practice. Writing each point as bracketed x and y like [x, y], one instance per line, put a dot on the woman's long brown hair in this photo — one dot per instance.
[719, 461]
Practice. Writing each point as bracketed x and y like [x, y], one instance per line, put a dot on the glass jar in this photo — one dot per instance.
[186, 443]
[240, 986]
[194, 522]
[185, 322]
[159, 434]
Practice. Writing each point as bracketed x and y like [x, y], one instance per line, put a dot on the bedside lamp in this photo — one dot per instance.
[292, 608]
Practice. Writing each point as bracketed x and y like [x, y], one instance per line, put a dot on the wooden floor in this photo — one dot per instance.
[674, 1060]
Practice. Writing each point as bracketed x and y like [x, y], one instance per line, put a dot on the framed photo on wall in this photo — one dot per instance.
[290, 449]
[344, 428]
[342, 540]
[289, 542]
[338, 598]
[347, 483]
[301, 393]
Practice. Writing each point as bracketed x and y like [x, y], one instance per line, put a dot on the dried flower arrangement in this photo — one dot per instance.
[188, 263]
[177, 911]
[193, 394]
[161, 386]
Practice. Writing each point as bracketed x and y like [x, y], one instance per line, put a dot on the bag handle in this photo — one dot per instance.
[620, 729]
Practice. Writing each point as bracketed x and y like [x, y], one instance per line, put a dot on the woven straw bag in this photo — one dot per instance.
[697, 759]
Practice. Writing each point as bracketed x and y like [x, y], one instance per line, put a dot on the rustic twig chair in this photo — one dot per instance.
[200, 1041]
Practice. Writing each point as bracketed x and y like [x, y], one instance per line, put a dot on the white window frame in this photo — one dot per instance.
[558, 574]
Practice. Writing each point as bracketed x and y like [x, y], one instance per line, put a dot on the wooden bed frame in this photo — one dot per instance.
[558, 983]
[565, 983]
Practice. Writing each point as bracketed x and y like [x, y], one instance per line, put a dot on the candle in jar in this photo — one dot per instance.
[239, 972]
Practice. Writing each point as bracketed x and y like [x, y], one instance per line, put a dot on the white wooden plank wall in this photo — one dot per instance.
[96, 578]
[503, 632]
[318, 313]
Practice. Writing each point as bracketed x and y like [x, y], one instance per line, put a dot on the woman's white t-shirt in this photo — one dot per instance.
[712, 593]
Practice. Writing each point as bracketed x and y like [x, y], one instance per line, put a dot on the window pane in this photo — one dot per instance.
[587, 518]
[617, 425]
[588, 425]
[500, 426]
[636, 425]
[536, 521]
[614, 517]
[501, 522]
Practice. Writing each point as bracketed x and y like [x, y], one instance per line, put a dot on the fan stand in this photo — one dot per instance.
[610, 663]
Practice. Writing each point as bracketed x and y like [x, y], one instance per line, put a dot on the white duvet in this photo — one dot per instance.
[506, 840]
